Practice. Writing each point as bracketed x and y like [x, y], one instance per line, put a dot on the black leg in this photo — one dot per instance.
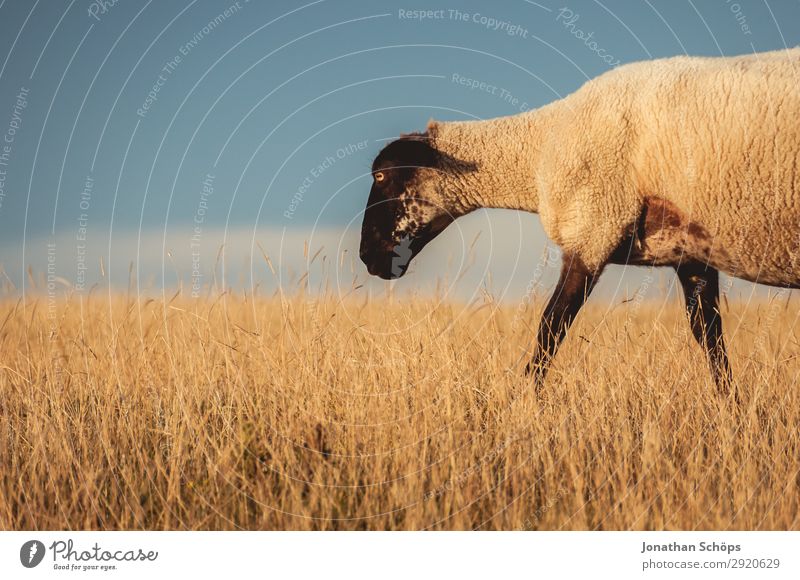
[574, 285]
[701, 290]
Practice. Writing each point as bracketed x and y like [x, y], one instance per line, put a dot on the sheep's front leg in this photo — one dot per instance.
[701, 290]
[573, 288]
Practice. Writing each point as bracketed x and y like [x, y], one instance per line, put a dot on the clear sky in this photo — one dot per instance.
[127, 122]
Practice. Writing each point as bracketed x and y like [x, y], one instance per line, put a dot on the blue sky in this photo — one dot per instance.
[257, 101]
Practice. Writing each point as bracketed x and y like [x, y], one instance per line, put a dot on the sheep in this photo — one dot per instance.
[686, 162]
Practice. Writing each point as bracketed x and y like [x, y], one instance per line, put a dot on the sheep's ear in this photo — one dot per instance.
[414, 136]
[432, 128]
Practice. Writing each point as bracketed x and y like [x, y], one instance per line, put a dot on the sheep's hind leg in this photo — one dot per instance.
[574, 285]
[701, 290]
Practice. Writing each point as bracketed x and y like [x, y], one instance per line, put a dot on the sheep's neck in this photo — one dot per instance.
[495, 160]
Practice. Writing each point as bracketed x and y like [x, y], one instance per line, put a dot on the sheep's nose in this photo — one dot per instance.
[369, 261]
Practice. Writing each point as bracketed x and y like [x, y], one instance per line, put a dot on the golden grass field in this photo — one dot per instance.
[382, 413]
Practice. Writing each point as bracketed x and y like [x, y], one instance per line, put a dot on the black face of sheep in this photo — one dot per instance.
[402, 214]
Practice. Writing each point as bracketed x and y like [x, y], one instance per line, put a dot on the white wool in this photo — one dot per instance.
[718, 138]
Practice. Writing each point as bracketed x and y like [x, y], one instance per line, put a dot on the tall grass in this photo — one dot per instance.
[316, 413]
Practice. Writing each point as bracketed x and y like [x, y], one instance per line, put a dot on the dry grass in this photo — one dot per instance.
[378, 414]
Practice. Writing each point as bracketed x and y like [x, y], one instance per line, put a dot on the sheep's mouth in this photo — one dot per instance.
[392, 263]
[390, 272]
[390, 260]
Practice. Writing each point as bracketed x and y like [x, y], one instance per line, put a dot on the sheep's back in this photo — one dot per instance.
[720, 139]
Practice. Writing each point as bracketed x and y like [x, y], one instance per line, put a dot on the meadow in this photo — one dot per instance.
[378, 412]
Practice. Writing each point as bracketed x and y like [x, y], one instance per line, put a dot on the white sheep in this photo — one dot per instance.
[686, 162]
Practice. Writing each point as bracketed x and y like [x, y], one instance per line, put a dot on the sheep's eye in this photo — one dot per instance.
[380, 176]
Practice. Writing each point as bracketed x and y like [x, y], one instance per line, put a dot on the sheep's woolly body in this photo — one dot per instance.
[716, 141]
